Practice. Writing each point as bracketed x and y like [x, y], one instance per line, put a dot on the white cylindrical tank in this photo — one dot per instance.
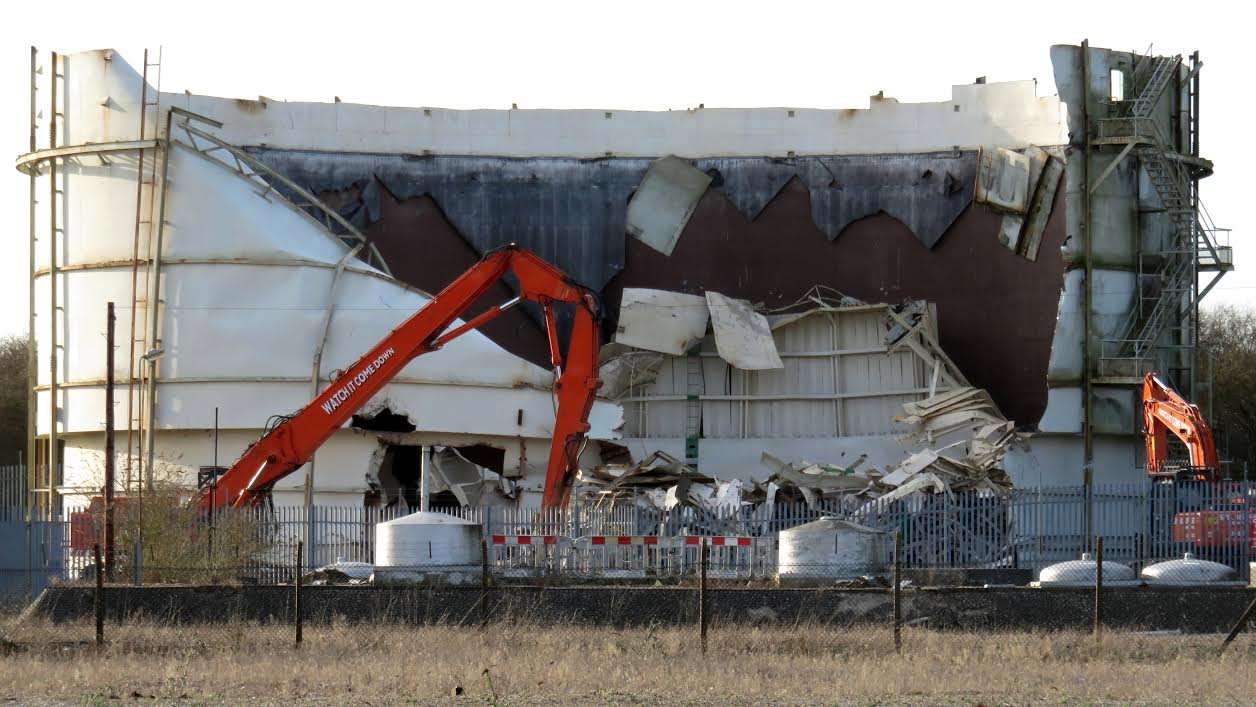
[1188, 571]
[1081, 573]
[830, 548]
[426, 547]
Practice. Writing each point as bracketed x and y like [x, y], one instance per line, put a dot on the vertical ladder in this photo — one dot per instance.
[33, 457]
[145, 179]
[55, 232]
[694, 387]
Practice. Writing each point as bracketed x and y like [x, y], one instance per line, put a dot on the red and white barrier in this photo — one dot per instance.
[667, 541]
[719, 540]
[623, 540]
[525, 540]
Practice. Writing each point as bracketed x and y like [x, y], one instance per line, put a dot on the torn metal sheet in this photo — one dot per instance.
[1012, 232]
[623, 368]
[664, 201]
[460, 476]
[925, 191]
[1003, 180]
[1040, 207]
[742, 335]
[573, 212]
[662, 321]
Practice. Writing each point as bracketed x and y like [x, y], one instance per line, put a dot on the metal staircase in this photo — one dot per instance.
[1161, 70]
[1167, 274]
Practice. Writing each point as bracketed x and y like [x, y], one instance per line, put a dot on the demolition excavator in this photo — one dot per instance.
[1218, 527]
[290, 444]
[1165, 412]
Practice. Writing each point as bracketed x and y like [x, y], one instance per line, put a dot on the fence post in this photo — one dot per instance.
[702, 594]
[311, 534]
[137, 560]
[1098, 612]
[296, 592]
[30, 573]
[98, 597]
[1238, 626]
[483, 582]
[897, 590]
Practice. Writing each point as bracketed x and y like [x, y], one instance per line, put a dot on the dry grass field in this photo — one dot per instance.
[528, 665]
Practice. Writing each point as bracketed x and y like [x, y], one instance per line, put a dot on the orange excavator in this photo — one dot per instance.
[289, 445]
[1218, 527]
[1164, 412]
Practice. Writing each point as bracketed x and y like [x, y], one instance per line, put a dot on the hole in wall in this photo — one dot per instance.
[1116, 90]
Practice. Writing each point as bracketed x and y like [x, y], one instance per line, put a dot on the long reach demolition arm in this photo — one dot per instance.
[289, 445]
[1165, 411]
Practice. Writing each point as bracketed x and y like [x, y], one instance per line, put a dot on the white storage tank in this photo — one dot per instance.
[1188, 571]
[831, 549]
[427, 547]
[1081, 573]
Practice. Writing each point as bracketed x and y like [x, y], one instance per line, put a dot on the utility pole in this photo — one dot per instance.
[109, 451]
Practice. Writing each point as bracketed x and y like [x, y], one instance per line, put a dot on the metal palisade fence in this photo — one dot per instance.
[1141, 523]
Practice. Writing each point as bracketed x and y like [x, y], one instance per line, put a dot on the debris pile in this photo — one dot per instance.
[956, 437]
[340, 572]
[963, 435]
[974, 438]
[660, 480]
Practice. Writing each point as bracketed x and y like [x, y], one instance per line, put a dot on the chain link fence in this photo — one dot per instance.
[164, 542]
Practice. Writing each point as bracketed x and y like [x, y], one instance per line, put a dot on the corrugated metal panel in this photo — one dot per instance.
[843, 384]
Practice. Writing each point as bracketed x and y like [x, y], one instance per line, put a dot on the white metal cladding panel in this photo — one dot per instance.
[997, 114]
[873, 416]
[882, 383]
[659, 418]
[878, 372]
[802, 374]
[721, 418]
[860, 329]
[98, 218]
[213, 213]
[216, 318]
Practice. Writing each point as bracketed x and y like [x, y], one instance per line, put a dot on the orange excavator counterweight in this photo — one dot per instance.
[288, 446]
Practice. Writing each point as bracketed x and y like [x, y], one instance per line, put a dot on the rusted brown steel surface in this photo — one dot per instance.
[423, 249]
[996, 310]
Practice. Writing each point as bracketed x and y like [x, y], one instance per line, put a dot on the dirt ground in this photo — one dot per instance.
[240, 663]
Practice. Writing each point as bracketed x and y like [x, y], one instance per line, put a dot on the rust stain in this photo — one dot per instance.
[250, 106]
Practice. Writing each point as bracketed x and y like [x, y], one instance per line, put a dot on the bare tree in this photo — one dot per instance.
[13, 384]
[1227, 340]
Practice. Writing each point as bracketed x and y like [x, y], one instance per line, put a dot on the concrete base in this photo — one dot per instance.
[1196, 609]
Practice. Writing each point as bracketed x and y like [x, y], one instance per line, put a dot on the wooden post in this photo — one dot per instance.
[483, 583]
[137, 562]
[897, 591]
[1098, 612]
[296, 592]
[1238, 626]
[702, 594]
[99, 598]
[110, 462]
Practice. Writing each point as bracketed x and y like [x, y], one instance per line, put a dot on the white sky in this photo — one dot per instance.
[642, 55]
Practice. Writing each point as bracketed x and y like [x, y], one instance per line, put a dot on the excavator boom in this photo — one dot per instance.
[288, 446]
[1165, 412]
